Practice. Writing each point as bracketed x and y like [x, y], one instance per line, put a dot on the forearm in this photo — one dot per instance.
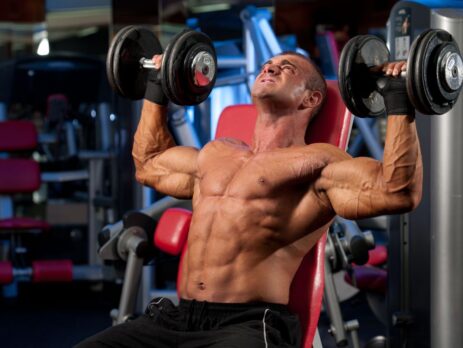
[402, 167]
[152, 137]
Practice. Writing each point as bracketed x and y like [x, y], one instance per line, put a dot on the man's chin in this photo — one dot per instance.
[262, 94]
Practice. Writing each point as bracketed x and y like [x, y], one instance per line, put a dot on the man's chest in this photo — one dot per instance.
[230, 170]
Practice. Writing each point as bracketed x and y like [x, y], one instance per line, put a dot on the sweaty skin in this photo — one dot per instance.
[257, 210]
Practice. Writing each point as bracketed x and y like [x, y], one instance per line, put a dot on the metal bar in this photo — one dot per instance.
[270, 37]
[262, 51]
[71, 139]
[332, 307]
[446, 175]
[231, 62]
[87, 272]
[352, 230]
[357, 142]
[105, 127]
[94, 183]
[353, 326]
[47, 138]
[232, 80]
[183, 129]
[147, 63]
[372, 143]
[92, 154]
[155, 211]
[6, 207]
[250, 52]
[317, 341]
[3, 111]
[130, 287]
[73, 175]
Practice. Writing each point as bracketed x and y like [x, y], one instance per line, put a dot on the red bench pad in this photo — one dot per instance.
[17, 136]
[172, 230]
[23, 223]
[6, 272]
[377, 256]
[52, 271]
[19, 175]
[370, 279]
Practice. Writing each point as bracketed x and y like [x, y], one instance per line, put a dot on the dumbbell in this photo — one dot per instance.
[188, 70]
[434, 74]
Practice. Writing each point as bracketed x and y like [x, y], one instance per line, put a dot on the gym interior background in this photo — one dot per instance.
[57, 288]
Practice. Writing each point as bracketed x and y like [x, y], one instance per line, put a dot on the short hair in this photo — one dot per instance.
[315, 82]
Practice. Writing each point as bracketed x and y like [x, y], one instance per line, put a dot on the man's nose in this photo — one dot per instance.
[271, 69]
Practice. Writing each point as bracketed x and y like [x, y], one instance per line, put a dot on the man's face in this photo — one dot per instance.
[283, 79]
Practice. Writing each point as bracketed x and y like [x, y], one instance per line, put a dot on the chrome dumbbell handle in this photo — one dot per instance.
[148, 64]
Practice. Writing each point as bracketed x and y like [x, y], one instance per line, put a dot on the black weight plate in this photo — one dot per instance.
[356, 84]
[411, 70]
[424, 88]
[110, 59]
[129, 76]
[170, 65]
[176, 72]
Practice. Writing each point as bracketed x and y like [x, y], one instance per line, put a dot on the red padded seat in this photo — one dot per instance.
[19, 175]
[52, 271]
[17, 136]
[23, 223]
[377, 256]
[6, 272]
[172, 230]
[369, 279]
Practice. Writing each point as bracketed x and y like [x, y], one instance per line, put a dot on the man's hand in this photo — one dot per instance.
[154, 92]
[394, 68]
[393, 89]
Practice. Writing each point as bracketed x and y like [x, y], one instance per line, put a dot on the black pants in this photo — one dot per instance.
[204, 324]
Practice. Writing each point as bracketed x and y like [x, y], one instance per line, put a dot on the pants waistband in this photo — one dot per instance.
[233, 307]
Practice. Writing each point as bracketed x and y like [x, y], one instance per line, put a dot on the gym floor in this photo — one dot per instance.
[55, 315]
[60, 315]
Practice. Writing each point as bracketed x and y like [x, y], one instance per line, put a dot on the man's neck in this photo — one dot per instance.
[281, 131]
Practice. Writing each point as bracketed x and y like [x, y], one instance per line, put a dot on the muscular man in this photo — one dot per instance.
[258, 209]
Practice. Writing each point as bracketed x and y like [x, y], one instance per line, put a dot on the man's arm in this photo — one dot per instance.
[363, 187]
[159, 163]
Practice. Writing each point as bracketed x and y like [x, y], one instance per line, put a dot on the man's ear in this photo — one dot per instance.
[312, 99]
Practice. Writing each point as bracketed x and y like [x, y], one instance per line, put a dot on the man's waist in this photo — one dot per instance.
[231, 307]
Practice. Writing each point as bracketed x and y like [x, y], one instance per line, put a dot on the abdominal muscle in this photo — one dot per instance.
[231, 257]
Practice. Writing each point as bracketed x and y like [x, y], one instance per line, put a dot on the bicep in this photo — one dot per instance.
[172, 172]
[355, 188]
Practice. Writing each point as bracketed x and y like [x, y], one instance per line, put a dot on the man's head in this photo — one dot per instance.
[290, 80]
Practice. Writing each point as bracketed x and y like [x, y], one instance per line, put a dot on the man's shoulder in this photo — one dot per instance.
[226, 142]
[223, 147]
[330, 152]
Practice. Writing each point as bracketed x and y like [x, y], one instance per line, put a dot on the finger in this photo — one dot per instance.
[404, 66]
[399, 67]
[157, 59]
[396, 68]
